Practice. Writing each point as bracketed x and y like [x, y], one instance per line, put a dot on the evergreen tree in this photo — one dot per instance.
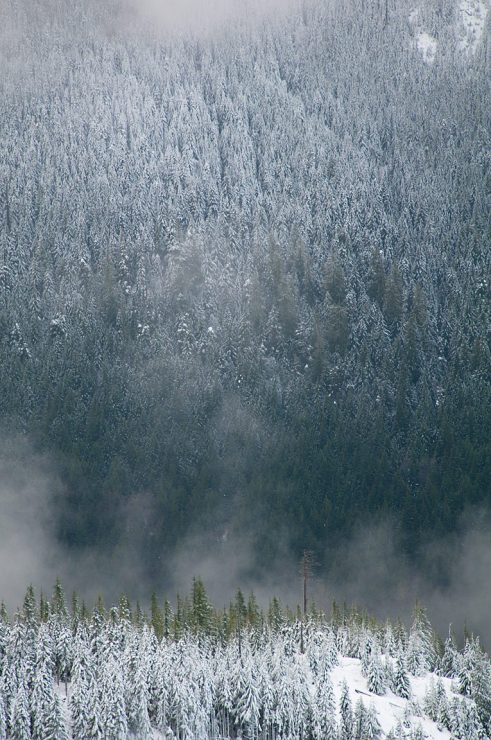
[372, 728]
[156, 617]
[113, 711]
[346, 722]
[200, 607]
[376, 679]
[55, 726]
[421, 656]
[401, 684]
[324, 725]
[3, 717]
[360, 720]
[20, 723]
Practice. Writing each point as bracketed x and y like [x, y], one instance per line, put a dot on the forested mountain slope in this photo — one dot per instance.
[247, 273]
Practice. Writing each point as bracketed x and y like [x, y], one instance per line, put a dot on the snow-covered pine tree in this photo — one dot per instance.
[442, 707]
[421, 655]
[449, 663]
[247, 702]
[324, 725]
[20, 721]
[401, 684]
[3, 717]
[376, 678]
[55, 726]
[138, 717]
[475, 680]
[114, 725]
[372, 728]
[42, 689]
[84, 700]
[359, 720]
[346, 711]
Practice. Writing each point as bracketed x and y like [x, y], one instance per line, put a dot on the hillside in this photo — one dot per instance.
[244, 275]
[197, 673]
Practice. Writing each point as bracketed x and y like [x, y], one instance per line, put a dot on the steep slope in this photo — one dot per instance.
[244, 278]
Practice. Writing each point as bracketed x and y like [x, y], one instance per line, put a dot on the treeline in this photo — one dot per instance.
[198, 672]
[247, 276]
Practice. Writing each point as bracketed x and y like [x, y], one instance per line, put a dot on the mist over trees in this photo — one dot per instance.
[247, 275]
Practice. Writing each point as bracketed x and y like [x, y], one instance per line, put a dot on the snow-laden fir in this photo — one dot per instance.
[240, 673]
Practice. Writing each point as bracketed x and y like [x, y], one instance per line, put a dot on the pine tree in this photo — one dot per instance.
[247, 700]
[201, 611]
[324, 726]
[156, 617]
[421, 656]
[3, 717]
[402, 686]
[359, 720]
[372, 728]
[442, 707]
[42, 690]
[376, 680]
[449, 662]
[346, 725]
[55, 726]
[20, 722]
[58, 605]
[138, 717]
[113, 711]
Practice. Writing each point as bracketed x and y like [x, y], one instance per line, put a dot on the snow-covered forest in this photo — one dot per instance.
[247, 272]
[194, 672]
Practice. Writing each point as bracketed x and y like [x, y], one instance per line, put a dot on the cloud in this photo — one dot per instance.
[28, 553]
[31, 494]
[452, 576]
[203, 16]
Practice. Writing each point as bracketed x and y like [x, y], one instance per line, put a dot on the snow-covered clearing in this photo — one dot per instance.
[425, 42]
[427, 45]
[391, 709]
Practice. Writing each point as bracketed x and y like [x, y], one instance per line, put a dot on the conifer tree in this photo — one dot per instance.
[346, 724]
[372, 728]
[20, 722]
[3, 717]
[55, 726]
[324, 726]
[156, 617]
[359, 720]
[201, 610]
[113, 711]
[376, 679]
[138, 717]
[402, 686]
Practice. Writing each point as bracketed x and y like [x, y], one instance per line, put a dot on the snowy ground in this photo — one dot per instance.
[390, 708]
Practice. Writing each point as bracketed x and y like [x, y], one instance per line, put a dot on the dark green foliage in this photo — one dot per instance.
[256, 288]
[156, 617]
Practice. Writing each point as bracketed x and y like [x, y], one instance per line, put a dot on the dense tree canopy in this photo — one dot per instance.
[247, 274]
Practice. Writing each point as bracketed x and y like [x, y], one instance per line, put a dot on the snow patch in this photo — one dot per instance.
[425, 42]
[390, 708]
[427, 45]
[473, 14]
